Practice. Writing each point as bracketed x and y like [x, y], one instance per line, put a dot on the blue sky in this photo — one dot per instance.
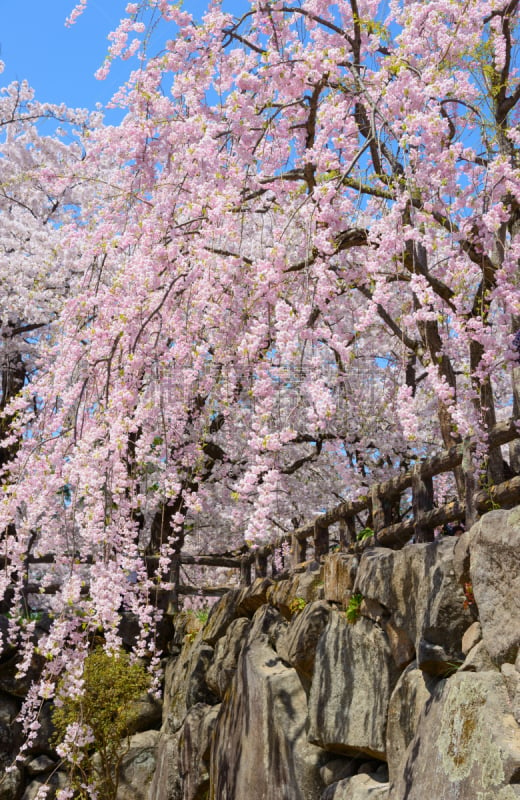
[60, 62]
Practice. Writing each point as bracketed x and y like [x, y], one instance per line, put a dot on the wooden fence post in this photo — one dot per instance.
[382, 509]
[260, 563]
[175, 579]
[422, 501]
[321, 541]
[298, 550]
[245, 571]
[470, 483]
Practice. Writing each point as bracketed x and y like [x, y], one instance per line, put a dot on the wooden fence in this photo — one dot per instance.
[385, 523]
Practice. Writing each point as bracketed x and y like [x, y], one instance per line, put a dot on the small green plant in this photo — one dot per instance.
[202, 615]
[297, 604]
[92, 728]
[353, 611]
[363, 534]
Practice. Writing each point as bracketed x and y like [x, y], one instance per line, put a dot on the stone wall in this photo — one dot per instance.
[279, 697]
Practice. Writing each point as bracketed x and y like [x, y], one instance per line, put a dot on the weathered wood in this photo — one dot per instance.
[321, 541]
[204, 591]
[245, 571]
[382, 508]
[503, 495]
[470, 484]
[261, 563]
[422, 501]
[175, 580]
[298, 551]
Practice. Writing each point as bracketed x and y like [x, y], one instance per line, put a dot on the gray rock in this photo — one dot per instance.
[306, 585]
[512, 679]
[166, 783]
[413, 690]
[221, 616]
[10, 782]
[360, 787]
[495, 577]
[148, 714]
[185, 683]
[138, 766]
[58, 780]
[40, 765]
[338, 768]
[402, 647]
[467, 743]
[471, 637]
[16, 685]
[194, 747]
[297, 646]
[260, 749]
[418, 586]
[252, 597]
[354, 676]
[267, 621]
[227, 649]
[477, 660]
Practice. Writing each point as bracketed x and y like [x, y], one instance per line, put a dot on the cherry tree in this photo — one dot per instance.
[299, 273]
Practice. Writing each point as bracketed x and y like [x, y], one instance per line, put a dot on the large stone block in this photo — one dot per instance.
[225, 659]
[467, 743]
[185, 683]
[354, 677]
[221, 616]
[298, 644]
[359, 787]
[260, 749]
[419, 587]
[194, 750]
[413, 690]
[138, 767]
[495, 577]
[166, 782]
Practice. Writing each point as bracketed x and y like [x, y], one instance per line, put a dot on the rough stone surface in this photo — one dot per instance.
[338, 768]
[260, 749]
[254, 596]
[355, 675]
[339, 574]
[298, 644]
[19, 686]
[359, 787]
[478, 660]
[306, 585]
[194, 749]
[471, 637]
[10, 782]
[40, 765]
[467, 745]
[495, 577]
[413, 690]
[166, 783]
[227, 649]
[419, 586]
[402, 647]
[148, 714]
[221, 615]
[138, 767]
[185, 683]
[269, 622]
[58, 780]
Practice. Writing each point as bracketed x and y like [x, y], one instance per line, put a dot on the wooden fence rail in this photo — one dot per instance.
[382, 506]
